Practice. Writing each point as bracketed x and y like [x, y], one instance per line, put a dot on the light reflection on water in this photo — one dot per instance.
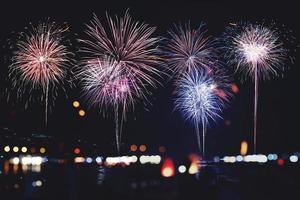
[100, 175]
[69, 181]
[38, 181]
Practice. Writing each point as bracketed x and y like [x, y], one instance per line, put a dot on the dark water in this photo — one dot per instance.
[144, 182]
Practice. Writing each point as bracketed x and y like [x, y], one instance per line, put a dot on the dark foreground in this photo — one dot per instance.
[83, 181]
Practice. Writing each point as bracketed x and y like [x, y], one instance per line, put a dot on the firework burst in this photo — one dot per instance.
[201, 96]
[188, 49]
[40, 62]
[255, 50]
[120, 65]
[258, 53]
[106, 85]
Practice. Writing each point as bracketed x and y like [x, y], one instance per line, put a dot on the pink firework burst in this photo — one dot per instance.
[257, 52]
[120, 65]
[40, 61]
[105, 84]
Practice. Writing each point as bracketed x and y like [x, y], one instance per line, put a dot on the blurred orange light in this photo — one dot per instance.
[76, 104]
[168, 169]
[143, 148]
[77, 151]
[133, 147]
[81, 113]
[6, 167]
[234, 88]
[32, 150]
[244, 148]
[193, 168]
[42, 150]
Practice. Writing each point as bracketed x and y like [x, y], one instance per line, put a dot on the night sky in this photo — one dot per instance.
[158, 124]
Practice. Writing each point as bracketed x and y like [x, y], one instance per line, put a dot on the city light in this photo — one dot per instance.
[89, 160]
[229, 159]
[15, 149]
[294, 158]
[260, 158]
[32, 150]
[6, 148]
[256, 158]
[99, 160]
[127, 160]
[76, 104]
[37, 160]
[182, 169]
[42, 150]
[217, 159]
[133, 147]
[143, 148]
[162, 149]
[239, 158]
[134, 159]
[280, 162]
[193, 168]
[15, 161]
[26, 160]
[272, 157]
[244, 148]
[24, 149]
[150, 159]
[167, 169]
[77, 151]
[79, 159]
[37, 183]
[81, 113]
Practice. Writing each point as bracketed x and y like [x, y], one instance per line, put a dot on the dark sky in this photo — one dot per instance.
[278, 99]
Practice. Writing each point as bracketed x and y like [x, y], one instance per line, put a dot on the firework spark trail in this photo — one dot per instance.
[201, 97]
[258, 53]
[41, 61]
[120, 65]
[188, 49]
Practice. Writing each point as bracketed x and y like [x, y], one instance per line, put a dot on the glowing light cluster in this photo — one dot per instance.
[260, 158]
[27, 160]
[150, 159]
[127, 160]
